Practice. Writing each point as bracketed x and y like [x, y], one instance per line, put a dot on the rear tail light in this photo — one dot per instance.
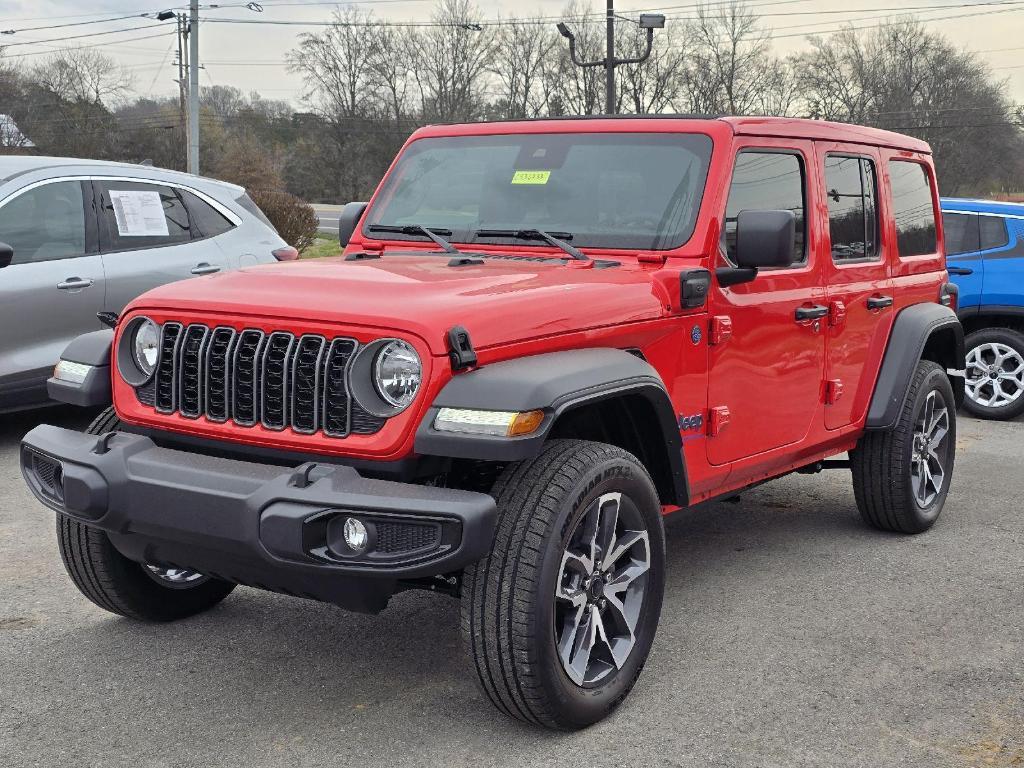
[287, 253]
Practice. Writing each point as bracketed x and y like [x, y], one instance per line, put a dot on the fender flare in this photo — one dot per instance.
[911, 331]
[92, 349]
[553, 382]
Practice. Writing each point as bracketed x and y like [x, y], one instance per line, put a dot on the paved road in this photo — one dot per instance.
[328, 215]
[791, 636]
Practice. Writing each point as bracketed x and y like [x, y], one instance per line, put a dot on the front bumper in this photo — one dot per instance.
[257, 524]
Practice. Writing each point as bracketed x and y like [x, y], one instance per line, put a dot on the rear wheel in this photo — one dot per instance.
[995, 373]
[901, 476]
[151, 592]
[559, 618]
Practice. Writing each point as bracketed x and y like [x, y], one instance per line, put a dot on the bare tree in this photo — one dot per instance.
[335, 64]
[451, 59]
[83, 75]
[732, 70]
[521, 50]
[903, 77]
[658, 83]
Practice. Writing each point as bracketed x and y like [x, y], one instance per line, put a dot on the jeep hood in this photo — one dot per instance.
[499, 301]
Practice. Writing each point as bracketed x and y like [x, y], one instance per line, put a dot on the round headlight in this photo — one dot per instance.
[397, 373]
[146, 346]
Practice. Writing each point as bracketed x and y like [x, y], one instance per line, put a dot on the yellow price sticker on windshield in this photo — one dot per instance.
[531, 177]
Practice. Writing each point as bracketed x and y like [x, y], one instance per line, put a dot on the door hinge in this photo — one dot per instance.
[833, 391]
[718, 419]
[836, 313]
[721, 329]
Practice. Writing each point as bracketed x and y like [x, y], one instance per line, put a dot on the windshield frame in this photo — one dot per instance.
[658, 131]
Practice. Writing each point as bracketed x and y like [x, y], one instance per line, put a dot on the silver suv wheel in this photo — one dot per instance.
[995, 375]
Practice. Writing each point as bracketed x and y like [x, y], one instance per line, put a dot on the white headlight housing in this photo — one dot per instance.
[146, 346]
[397, 373]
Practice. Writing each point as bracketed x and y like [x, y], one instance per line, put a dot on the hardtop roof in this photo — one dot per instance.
[782, 127]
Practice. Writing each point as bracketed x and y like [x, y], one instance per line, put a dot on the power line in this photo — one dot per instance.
[72, 24]
[76, 37]
[80, 47]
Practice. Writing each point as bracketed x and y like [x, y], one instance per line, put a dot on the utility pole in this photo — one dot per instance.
[181, 80]
[648, 21]
[609, 60]
[193, 87]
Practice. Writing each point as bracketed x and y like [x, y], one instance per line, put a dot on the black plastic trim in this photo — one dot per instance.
[555, 382]
[991, 309]
[93, 349]
[913, 327]
[245, 521]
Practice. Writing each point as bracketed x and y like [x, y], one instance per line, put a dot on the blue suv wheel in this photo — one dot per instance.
[995, 373]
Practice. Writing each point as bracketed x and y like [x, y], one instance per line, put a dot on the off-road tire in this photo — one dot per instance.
[508, 605]
[882, 461]
[1007, 337]
[117, 584]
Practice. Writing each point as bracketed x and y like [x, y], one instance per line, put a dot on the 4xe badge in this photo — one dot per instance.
[688, 423]
[695, 334]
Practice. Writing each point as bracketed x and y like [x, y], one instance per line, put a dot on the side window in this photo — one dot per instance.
[766, 181]
[852, 210]
[961, 231]
[912, 208]
[206, 220]
[142, 215]
[993, 232]
[45, 223]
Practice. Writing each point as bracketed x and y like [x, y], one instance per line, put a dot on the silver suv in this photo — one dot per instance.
[80, 237]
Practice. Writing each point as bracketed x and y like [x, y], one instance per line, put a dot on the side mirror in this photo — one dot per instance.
[765, 239]
[6, 255]
[349, 220]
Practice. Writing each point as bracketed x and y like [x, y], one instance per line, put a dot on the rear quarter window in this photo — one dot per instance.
[993, 232]
[913, 208]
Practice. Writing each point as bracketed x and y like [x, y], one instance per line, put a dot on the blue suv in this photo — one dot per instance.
[985, 256]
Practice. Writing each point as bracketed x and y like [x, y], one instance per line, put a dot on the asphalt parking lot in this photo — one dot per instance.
[791, 636]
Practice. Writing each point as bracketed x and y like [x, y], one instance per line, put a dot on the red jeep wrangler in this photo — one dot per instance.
[542, 338]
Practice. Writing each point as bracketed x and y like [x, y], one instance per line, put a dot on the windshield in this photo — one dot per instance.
[620, 190]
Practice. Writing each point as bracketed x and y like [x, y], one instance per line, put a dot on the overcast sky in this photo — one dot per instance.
[249, 56]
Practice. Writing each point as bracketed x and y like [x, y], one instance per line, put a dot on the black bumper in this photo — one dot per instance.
[257, 524]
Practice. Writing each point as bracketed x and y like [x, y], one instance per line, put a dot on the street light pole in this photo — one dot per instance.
[193, 87]
[648, 21]
[609, 61]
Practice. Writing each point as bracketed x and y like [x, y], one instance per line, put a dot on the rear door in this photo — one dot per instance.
[860, 292]
[767, 374]
[53, 288]
[1002, 251]
[148, 238]
[963, 260]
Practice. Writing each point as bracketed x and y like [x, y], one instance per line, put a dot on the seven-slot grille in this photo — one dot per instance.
[249, 377]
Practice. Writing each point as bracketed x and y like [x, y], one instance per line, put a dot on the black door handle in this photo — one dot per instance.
[811, 313]
[879, 302]
[959, 271]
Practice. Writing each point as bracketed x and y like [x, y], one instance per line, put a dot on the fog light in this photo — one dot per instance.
[356, 535]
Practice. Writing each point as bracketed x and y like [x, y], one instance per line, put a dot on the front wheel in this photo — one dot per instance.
[122, 586]
[901, 475]
[559, 618]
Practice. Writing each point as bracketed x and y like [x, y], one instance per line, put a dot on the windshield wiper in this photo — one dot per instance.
[555, 239]
[434, 233]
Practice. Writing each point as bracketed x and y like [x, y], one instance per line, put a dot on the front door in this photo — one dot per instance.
[766, 374]
[860, 291]
[52, 289]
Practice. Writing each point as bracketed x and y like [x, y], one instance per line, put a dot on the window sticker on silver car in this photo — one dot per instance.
[139, 213]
